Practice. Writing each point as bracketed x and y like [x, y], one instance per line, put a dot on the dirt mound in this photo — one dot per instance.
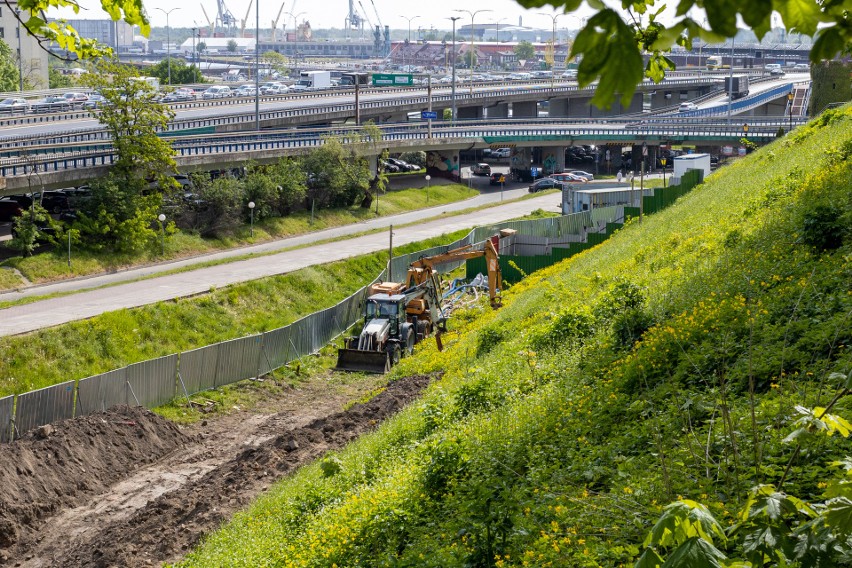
[167, 526]
[65, 464]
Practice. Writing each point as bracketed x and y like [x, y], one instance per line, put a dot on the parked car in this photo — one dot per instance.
[244, 91]
[76, 195]
[217, 92]
[9, 209]
[566, 177]
[403, 165]
[582, 174]
[388, 167]
[14, 105]
[268, 86]
[51, 104]
[180, 95]
[802, 67]
[497, 179]
[53, 201]
[545, 183]
[482, 169]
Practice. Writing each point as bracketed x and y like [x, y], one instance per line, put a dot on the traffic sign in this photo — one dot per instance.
[428, 115]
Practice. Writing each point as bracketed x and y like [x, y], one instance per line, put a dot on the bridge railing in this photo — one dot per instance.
[744, 104]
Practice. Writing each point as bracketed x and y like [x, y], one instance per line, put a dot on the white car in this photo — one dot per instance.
[217, 92]
[686, 107]
[501, 153]
[580, 173]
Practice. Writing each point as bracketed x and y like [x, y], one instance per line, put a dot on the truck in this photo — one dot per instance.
[399, 315]
[737, 86]
[315, 79]
[352, 79]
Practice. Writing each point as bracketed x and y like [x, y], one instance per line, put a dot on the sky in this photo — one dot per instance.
[331, 13]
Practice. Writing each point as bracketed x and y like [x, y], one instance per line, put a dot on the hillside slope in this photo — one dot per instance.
[667, 362]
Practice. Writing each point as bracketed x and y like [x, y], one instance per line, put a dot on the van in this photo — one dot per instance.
[217, 92]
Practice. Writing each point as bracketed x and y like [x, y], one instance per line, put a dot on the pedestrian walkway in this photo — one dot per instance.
[121, 293]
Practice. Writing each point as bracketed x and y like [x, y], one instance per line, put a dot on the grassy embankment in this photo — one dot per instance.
[53, 265]
[666, 362]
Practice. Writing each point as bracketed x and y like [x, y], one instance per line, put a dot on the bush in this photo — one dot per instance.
[216, 212]
[416, 158]
[824, 227]
[488, 339]
[568, 326]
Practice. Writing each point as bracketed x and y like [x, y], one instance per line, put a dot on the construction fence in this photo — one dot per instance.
[156, 382]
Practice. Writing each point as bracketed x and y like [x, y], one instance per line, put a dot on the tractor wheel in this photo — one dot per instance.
[393, 354]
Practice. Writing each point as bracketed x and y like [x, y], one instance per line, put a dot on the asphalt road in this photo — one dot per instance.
[89, 302]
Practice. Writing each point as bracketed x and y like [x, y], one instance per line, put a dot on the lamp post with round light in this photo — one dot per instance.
[428, 182]
[790, 97]
[251, 213]
[168, 40]
[472, 54]
[162, 219]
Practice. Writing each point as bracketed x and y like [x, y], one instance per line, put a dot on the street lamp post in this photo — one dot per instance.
[453, 57]
[257, 66]
[251, 212]
[552, 44]
[20, 55]
[428, 181]
[471, 55]
[193, 46]
[295, 17]
[162, 219]
[731, 82]
[168, 40]
[790, 97]
[409, 36]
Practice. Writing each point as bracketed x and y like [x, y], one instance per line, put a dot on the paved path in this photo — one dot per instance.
[89, 303]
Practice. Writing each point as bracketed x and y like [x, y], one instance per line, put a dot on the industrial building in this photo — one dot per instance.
[29, 57]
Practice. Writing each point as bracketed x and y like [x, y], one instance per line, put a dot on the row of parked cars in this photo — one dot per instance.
[66, 102]
[395, 165]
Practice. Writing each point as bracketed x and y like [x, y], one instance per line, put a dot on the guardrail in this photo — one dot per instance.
[744, 104]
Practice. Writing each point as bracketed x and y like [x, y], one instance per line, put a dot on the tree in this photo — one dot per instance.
[524, 50]
[59, 80]
[830, 85]
[8, 69]
[289, 174]
[123, 205]
[612, 49]
[469, 59]
[276, 62]
[38, 18]
[232, 46]
[201, 47]
[182, 74]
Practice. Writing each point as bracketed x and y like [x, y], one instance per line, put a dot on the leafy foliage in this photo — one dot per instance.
[8, 69]
[182, 74]
[524, 50]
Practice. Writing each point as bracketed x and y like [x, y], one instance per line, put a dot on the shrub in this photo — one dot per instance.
[488, 339]
[823, 227]
[569, 326]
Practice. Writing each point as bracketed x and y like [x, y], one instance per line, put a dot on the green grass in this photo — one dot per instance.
[9, 280]
[115, 339]
[53, 265]
[554, 439]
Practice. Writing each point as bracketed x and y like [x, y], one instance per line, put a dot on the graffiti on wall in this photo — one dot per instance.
[443, 164]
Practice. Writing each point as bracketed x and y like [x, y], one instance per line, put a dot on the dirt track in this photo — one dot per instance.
[128, 488]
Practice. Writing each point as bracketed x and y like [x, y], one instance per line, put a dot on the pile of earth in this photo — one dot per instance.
[65, 464]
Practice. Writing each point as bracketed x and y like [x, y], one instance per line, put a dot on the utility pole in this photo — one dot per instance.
[20, 55]
[472, 54]
[257, 66]
[453, 57]
[731, 80]
[552, 44]
[168, 40]
[193, 46]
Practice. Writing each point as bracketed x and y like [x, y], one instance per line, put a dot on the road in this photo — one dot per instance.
[124, 293]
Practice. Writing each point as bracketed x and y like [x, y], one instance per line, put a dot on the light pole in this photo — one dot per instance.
[471, 55]
[552, 44]
[295, 17]
[731, 81]
[257, 66]
[20, 55]
[162, 219]
[409, 36]
[790, 97]
[428, 181]
[251, 212]
[168, 40]
[193, 46]
[453, 57]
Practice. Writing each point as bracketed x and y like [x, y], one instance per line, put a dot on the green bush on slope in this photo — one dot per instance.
[565, 455]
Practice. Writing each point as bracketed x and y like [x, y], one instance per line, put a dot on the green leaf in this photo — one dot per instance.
[829, 42]
[839, 515]
[611, 55]
[801, 15]
[757, 14]
[695, 553]
[722, 16]
[649, 559]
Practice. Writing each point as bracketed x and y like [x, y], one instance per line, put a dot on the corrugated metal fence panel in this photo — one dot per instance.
[238, 359]
[44, 406]
[198, 368]
[89, 395]
[6, 404]
[276, 349]
[153, 381]
[113, 389]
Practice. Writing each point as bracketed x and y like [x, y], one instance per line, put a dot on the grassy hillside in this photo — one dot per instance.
[668, 362]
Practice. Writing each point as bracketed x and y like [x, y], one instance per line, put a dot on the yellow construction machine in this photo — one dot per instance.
[399, 315]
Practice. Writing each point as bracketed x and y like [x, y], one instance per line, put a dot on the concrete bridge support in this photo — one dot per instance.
[500, 110]
[581, 107]
[553, 159]
[526, 109]
[470, 113]
[558, 108]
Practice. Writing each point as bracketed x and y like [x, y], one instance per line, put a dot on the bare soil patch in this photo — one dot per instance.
[129, 488]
